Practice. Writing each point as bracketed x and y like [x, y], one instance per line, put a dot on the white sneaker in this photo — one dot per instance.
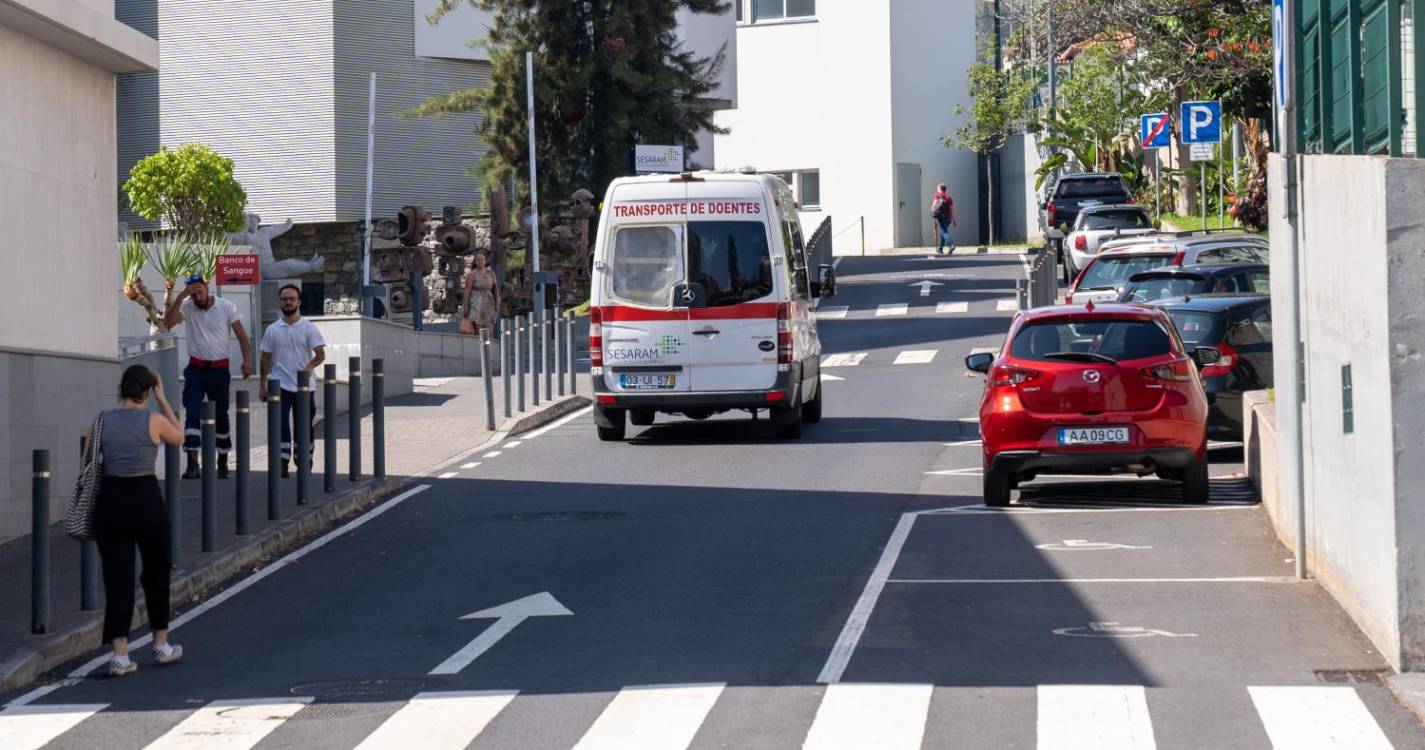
[120, 668]
[173, 655]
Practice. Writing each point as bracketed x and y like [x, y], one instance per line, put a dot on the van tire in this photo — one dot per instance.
[642, 417]
[610, 423]
[998, 485]
[811, 410]
[1196, 486]
[788, 422]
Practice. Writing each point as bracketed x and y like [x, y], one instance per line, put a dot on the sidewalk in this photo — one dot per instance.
[444, 419]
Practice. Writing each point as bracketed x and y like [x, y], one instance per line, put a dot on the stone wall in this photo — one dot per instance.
[340, 243]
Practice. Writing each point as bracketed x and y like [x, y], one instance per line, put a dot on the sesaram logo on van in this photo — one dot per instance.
[656, 352]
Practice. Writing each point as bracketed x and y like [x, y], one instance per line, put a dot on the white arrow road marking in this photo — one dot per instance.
[894, 308]
[439, 721]
[952, 307]
[230, 725]
[507, 617]
[915, 357]
[1104, 717]
[926, 286]
[827, 377]
[32, 727]
[1007, 305]
[654, 717]
[1317, 717]
[854, 716]
[831, 313]
[846, 359]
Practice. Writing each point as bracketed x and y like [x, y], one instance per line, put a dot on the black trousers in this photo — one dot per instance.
[130, 513]
[214, 384]
[289, 416]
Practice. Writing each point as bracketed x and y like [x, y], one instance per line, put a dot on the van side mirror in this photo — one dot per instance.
[980, 362]
[828, 280]
[1205, 356]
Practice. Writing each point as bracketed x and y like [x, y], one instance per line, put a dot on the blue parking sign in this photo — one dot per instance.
[1202, 122]
[1155, 130]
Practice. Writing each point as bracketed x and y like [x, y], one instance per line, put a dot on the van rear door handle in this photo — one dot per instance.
[706, 332]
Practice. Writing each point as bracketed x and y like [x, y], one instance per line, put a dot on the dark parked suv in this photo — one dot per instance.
[1071, 192]
[1239, 326]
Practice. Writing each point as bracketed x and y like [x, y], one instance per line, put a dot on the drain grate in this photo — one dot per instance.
[359, 688]
[1350, 676]
[566, 515]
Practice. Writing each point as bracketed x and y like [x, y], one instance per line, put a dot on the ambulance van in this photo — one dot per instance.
[703, 302]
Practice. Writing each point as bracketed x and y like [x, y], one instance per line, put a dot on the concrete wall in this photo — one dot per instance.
[1017, 199]
[408, 354]
[1259, 436]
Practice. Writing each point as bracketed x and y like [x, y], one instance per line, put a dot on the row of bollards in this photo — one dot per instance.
[538, 352]
[301, 405]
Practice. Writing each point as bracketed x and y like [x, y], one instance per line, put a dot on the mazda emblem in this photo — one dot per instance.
[1091, 376]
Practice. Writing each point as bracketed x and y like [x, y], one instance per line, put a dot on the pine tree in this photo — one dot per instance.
[609, 74]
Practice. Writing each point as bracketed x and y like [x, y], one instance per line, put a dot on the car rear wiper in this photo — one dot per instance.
[1081, 357]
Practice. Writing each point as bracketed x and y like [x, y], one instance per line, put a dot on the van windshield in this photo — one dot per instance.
[731, 260]
[647, 262]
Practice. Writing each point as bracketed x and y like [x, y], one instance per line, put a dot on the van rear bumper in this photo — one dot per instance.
[788, 384]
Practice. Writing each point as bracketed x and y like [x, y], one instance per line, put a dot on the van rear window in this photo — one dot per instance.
[647, 263]
[731, 259]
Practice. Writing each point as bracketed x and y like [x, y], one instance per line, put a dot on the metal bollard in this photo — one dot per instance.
[505, 363]
[39, 544]
[173, 494]
[302, 449]
[378, 418]
[573, 350]
[534, 348]
[561, 337]
[328, 428]
[210, 476]
[274, 450]
[489, 382]
[244, 459]
[546, 353]
[519, 359]
[353, 418]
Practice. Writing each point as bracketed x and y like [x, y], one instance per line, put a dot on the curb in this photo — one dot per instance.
[23, 666]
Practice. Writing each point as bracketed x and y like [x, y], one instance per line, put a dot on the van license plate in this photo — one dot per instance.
[1092, 435]
[639, 382]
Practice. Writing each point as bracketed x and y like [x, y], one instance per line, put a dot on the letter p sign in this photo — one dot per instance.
[1202, 122]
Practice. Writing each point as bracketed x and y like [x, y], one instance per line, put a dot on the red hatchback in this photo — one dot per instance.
[1085, 389]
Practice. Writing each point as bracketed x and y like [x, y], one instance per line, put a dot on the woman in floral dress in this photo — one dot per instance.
[482, 298]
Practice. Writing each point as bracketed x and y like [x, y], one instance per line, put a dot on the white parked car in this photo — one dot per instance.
[1107, 273]
[1096, 225]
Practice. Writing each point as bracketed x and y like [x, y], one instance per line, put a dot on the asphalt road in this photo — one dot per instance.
[706, 585]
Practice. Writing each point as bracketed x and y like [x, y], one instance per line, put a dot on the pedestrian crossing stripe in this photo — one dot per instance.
[831, 313]
[952, 307]
[846, 359]
[894, 308]
[1007, 305]
[669, 717]
[915, 357]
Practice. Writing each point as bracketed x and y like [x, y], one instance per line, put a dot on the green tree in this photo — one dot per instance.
[1001, 102]
[609, 74]
[190, 188]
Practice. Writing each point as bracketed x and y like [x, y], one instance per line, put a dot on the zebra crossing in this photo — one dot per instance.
[670, 717]
[909, 310]
[906, 357]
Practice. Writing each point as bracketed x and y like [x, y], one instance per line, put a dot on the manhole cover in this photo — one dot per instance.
[358, 688]
[1349, 676]
[566, 515]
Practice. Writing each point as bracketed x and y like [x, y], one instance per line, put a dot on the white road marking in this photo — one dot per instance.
[962, 443]
[1114, 630]
[439, 721]
[915, 357]
[827, 377]
[857, 716]
[982, 510]
[514, 444]
[449, 475]
[983, 350]
[894, 308]
[653, 717]
[1220, 579]
[831, 313]
[1094, 717]
[231, 724]
[952, 307]
[1007, 305]
[470, 465]
[507, 617]
[925, 286]
[1317, 718]
[856, 624]
[492, 454]
[1084, 545]
[846, 359]
[33, 727]
[560, 423]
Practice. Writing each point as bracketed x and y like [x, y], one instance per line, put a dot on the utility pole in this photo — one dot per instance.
[1049, 22]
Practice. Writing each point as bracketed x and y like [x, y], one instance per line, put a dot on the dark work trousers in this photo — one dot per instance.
[130, 513]
[289, 409]
[211, 383]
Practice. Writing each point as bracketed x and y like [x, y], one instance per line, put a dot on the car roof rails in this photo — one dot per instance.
[1207, 232]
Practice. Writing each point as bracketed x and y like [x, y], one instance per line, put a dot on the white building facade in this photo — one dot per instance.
[849, 99]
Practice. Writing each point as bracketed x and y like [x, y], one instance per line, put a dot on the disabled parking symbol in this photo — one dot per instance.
[1114, 630]
[1070, 545]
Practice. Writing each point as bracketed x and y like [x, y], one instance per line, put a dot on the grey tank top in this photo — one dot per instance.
[128, 450]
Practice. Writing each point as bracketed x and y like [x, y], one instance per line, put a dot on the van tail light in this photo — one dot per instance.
[1176, 372]
[1178, 259]
[1224, 366]
[596, 337]
[1049, 211]
[1081, 243]
[784, 334]
[1012, 375]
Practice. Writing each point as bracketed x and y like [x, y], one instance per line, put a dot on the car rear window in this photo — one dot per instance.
[1110, 271]
[1090, 187]
[1116, 220]
[1198, 327]
[647, 263]
[1161, 287]
[1057, 341]
[731, 259]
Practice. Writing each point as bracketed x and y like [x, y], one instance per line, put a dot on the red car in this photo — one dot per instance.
[1093, 389]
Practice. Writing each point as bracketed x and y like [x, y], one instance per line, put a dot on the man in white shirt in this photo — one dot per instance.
[290, 345]
[210, 321]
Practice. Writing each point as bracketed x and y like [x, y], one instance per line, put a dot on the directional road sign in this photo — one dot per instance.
[1155, 130]
[1279, 43]
[1202, 122]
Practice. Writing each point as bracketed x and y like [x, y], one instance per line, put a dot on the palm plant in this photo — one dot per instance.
[132, 256]
[173, 258]
[206, 251]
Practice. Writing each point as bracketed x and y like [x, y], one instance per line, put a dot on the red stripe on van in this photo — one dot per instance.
[745, 311]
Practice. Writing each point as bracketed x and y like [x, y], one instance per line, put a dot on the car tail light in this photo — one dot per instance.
[1224, 365]
[1012, 375]
[1049, 211]
[1178, 259]
[776, 396]
[1081, 243]
[596, 337]
[1132, 202]
[1177, 372]
[784, 334]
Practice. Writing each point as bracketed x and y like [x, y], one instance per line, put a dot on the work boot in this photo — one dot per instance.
[192, 472]
[222, 467]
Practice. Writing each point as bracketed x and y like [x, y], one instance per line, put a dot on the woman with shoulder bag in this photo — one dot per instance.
[129, 511]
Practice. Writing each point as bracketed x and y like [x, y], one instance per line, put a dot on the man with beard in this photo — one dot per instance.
[209, 320]
[290, 345]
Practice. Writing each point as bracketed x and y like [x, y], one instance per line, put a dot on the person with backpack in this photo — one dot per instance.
[942, 209]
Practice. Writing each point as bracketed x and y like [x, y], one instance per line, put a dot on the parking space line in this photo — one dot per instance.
[1216, 579]
[850, 636]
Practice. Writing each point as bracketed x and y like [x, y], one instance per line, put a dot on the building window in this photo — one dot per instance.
[809, 188]
[738, 4]
[763, 10]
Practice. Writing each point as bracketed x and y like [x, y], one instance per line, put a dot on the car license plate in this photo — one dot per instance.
[1092, 435]
[650, 381]
[1090, 203]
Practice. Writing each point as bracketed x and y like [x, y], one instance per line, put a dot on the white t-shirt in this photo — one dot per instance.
[209, 330]
[290, 345]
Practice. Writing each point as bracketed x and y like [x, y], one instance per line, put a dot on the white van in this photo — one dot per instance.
[702, 302]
